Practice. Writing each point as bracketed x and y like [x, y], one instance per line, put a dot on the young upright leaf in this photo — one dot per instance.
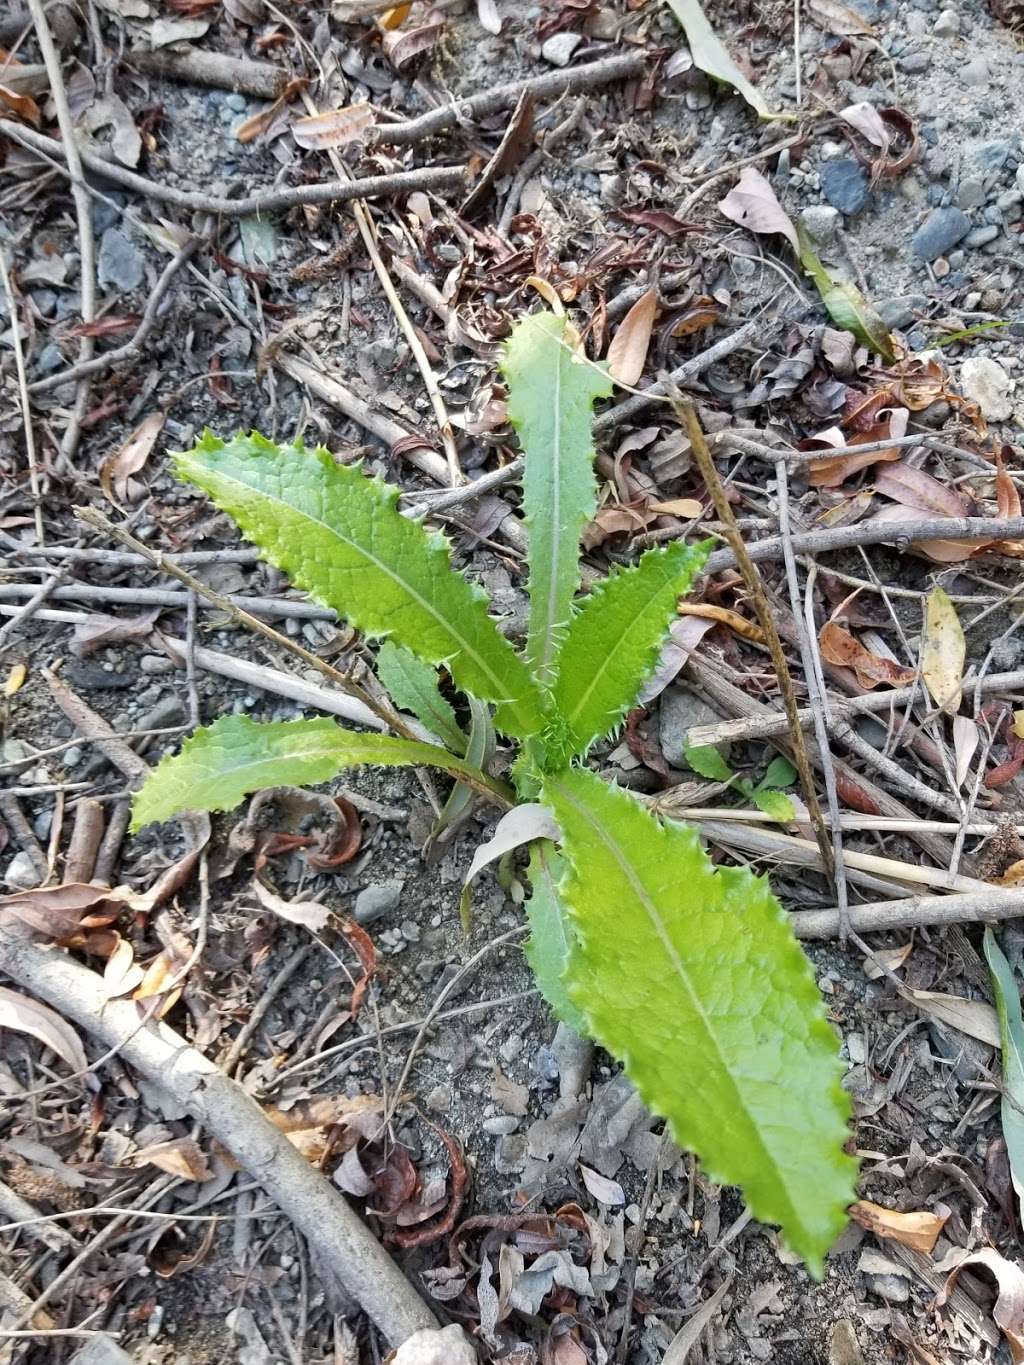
[1011, 1031]
[479, 752]
[340, 537]
[550, 945]
[412, 686]
[846, 305]
[224, 762]
[692, 977]
[550, 396]
[614, 641]
[710, 55]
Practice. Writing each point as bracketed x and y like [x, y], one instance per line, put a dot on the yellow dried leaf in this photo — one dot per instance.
[627, 353]
[943, 650]
[917, 1230]
[1018, 724]
[732, 619]
[15, 679]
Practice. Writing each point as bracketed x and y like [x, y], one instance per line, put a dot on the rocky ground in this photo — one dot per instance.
[584, 1234]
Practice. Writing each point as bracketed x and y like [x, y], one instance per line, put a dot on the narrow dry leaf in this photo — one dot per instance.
[965, 742]
[179, 1156]
[605, 1191]
[23, 105]
[710, 54]
[310, 915]
[130, 458]
[97, 631]
[395, 17]
[840, 648]
[487, 13]
[943, 650]
[941, 551]
[402, 49]
[627, 352]
[679, 1348]
[1018, 724]
[59, 912]
[831, 471]
[15, 679]
[21, 1014]
[732, 619]
[1008, 1313]
[1007, 497]
[839, 19]
[687, 508]
[121, 974]
[867, 120]
[917, 1230]
[914, 488]
[156, 981]
[973, 1017]
[256, 125]
[881, 961]
[752, 204]
[333, 128]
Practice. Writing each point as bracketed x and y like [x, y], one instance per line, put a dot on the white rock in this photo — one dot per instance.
[988, 384]
[449, 1346]
[21, 873]
[558, 49]
[947, 25]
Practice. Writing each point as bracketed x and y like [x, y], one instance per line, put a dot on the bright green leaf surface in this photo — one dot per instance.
[549, 947]
[339, 536]
[706, 761]
[614, 641]
[691, 976]
[224, 762]
[845, 304]
[479, 752]
[774, 803]
[779, 773]
[1011, 1030]
[412, 686]
[550, 397]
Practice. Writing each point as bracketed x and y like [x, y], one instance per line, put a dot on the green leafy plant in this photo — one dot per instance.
[767, 795]
[688, 974]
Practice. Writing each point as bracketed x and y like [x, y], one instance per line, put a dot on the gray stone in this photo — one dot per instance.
[101, 1351]
[940, 232]
[49, 359]
[237, 102]
[947, 25]
[990, 158]
[820, 222]
[21, 873]
[975, 72]
[981, 235]
[915, 62]
[680, 711]
[845, 185]
[377, 900]
[72, 756]
[970, 194]
[155, 664]
[501, 1125]
[558, 49]
[901, 312]
[120, 264]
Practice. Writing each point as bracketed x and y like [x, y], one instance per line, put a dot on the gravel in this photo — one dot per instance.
[940, 231]
[845, 185]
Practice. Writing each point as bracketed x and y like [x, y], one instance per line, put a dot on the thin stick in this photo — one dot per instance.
[26, 409]
[274, 987]
[759, 451]
[83, 213]
[131, 350]
[36, 597]
[271, 201]
[815, 684]
[916, 912]
[882, 824]
[687, 414]
[163, 597]
[905, 782]
[900, 533]
[86, 834]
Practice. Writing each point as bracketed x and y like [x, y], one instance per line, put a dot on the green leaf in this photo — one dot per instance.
[846, 305]
[779, 773]
[224, 762]
[774, 803]
[706, 761]
[691, 976]
[710, 55]
[1011, 1031]
[550, 397]
[550, 945]
[413, 686]
[479, 752]
[614, 641]
[340, 537]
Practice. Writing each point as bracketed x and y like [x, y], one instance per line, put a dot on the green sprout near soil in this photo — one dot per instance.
[688, 974]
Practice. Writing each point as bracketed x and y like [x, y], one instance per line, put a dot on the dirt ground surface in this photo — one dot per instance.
[582, 1234]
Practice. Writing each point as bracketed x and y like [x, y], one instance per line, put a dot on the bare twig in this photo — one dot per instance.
[26, 410]
[17, 1209]
[259, 1011]
[271, 201]
[569, 81]
[110, 846]
[548, 142]
[35, 599]
[86, 834]
[343, 1248]
[974, 907]
[14, 818]
[283, 608]
[197, 66]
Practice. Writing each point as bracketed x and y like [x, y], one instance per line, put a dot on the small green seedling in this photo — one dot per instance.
[768, 795]
[688, 974]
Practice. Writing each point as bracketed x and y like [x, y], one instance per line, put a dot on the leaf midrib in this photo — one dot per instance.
[495, 681]
[654, 917]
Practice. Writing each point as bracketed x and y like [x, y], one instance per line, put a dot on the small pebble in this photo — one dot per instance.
[72, 756]
[377, 900]
[153, 665]
[558, 49]
[940, 231]
[987, 383]
[820, 222]
[975, 72]
[501, 1125]
[947, 25]
[981, 235]
[845, 185]
[21, 873]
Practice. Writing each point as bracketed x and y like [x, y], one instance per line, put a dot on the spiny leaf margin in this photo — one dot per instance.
[339, 536]
[726, 997]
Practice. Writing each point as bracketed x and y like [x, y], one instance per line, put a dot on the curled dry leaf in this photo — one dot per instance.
[333, 128]
[976, 1018]
[627, 352]
[1008, 1312]
[402, 49]
[21, 1014]
[129, 459]
[831, 471]
[60, 912]
[943, 650]
[309, 915]
[732, 619]
[121, 974]
[917, 1230]
[159, 980]
[881, 961]
[752, 204]
[840, 648]
[179, 1156]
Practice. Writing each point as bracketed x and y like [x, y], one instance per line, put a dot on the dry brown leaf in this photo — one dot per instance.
[129, 459]
[157, 980]
[867, 120]
[839, 19]
[752, 204]
[15, 679]
[59, 912]
[976, 1018]
[395, 17]
[917, 1230]
[943, 650]
[122, 973]
[605, 1191]
[179, 1156]
[1007, 497]
[310, 915]
[881, 961]
[1008, 1313]
[831, 471]
[627, 352]
[402, 49]
[97, 630]
[23, 105]
[687, 508]
[941, 551]
[914, 488]
[840, 648]
[1013, 876]
[333, 128]
[256, 125]
[966, 737]
[732, 619]
[21, 1014]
